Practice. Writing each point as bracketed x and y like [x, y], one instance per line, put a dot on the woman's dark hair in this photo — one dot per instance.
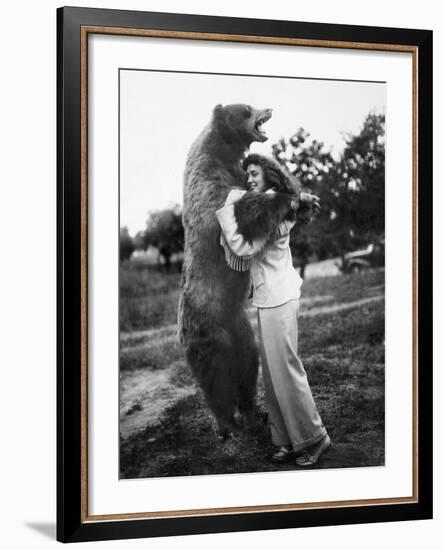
[274, 176]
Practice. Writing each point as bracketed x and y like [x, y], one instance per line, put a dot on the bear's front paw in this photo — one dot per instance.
[309, 202]
[309, 205]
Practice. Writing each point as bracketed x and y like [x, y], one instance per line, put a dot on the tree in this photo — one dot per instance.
[164, 229]
[308, 161]
[363, 168]
[126, 244]
[305, 159]
[351, 188]
[355, 188]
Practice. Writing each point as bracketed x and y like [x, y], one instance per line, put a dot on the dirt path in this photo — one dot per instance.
[340, 307]
[169, 332]
[145, 394]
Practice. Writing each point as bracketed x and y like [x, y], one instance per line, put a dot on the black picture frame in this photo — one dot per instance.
[73, 524]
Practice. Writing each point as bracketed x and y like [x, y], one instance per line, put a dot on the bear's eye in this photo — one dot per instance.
[247, 111]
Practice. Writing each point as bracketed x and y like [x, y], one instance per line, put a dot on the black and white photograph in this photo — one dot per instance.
[251, 273]
[244, 274]
[221, 297]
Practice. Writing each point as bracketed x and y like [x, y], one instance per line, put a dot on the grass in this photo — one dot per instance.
[151, 356]
[148, 297]
[343, 354]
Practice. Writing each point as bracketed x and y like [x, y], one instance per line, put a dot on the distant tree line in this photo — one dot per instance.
[163, 230]
[351, 189]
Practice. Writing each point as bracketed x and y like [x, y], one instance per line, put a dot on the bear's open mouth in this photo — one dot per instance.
[262, 119]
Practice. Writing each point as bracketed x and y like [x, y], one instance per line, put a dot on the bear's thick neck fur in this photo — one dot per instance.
[225, 153]
[226, 145]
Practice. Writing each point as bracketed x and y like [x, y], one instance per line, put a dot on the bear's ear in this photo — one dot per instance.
[221, 121]
[217, 111]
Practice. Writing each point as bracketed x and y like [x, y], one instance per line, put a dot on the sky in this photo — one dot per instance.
[161, 113]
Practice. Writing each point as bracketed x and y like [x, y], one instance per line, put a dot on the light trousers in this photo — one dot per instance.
[292, 414]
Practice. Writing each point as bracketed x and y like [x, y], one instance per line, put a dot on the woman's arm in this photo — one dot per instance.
[250, 219]
[284, 228]
[258, 215]
[236, 242]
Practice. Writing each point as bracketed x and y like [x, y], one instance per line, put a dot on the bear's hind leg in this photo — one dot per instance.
[247, 372]
[212, 360]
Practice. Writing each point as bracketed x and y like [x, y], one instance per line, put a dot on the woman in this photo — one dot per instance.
[295, 424]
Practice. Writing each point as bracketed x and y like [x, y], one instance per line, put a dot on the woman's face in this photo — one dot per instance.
[255, 178]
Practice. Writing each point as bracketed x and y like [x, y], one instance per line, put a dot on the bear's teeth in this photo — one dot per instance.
[258, 126]
[260, 129]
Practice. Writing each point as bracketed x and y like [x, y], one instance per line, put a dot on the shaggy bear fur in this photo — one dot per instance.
[213, 324]
[255, 219]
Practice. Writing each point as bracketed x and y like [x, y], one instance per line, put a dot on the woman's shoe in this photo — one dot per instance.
[282, 455]
[310, 458]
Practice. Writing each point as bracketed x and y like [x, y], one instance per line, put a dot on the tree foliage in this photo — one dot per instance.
[126, 244]
[164, 230]
[351, 188]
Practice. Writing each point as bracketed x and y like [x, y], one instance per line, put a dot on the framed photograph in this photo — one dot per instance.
[244, 274]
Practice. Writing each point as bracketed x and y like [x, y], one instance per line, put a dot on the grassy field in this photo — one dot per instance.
[165, 427]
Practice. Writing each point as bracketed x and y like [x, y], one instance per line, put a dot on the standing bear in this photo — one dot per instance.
[213, 325]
